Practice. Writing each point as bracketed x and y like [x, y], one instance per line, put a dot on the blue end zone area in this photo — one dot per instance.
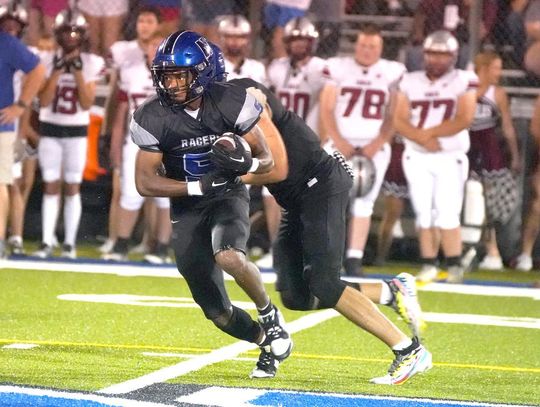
[305, 399]
[25, 400]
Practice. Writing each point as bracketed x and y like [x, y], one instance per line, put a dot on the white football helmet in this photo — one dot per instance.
[70, 29]
[441, 41]
[446, 46]
[300, 28]
[364, 172]
[16, 12]
[234, 25]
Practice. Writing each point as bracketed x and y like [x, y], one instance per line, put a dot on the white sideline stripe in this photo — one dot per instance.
[216, 356]
[475, 319]
[112, 401]
[126, 270]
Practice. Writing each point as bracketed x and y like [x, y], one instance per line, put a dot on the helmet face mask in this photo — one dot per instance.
[13, 19]
[235, 32]
[300, 37]
[70, 30]
[181, 53]
[440, 53]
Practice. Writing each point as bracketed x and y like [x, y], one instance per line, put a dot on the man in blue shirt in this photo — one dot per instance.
[14, 56]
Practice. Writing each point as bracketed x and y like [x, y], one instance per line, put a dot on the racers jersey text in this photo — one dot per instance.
[186, 141]
[298, 89]
[487, 113]
[432, 102]
[362, 95]
[65, 109]
[135, 82]
[249, 68]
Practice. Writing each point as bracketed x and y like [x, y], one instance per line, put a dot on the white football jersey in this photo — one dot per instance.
[135, 76]
[432, 102]
[299, 89]
[65, 109]
[250, 68]
[362, 95]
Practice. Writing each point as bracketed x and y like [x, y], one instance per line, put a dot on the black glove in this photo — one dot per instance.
[75, 63]
[217, 182]
[58, 62]
[237, 161]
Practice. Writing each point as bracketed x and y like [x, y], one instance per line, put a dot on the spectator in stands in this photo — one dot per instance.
[41, 17]
[131, 59]
[105, 19]
[532, 28]
[356, 113]
[531, 221]
[327, 16]
[203, 16]
[450, 15]
[487, 156]
[170, 11]
[434, 108]
[395, 192]
[65, 101]
[14, 56]
[277, 13]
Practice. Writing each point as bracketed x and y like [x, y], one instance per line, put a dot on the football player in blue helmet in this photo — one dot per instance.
[180, 129]
[182, 68]
[220, 75]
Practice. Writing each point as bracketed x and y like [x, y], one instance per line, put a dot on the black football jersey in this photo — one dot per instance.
[306, 157]
[185, 141]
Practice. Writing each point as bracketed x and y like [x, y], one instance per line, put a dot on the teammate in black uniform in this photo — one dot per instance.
[310, 243]
[176, 129]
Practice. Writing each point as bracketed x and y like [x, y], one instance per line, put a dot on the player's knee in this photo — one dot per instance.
[447, 221]
[131, 202]
[362, 208]
[237, 323]
[231, 261]
[326, 288]
[72, 177]
[292, 300]
[424, 220]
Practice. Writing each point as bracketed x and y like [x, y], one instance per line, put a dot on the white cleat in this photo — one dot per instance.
[406, 365]
[427, 274]
[524, 262]
[494, 263]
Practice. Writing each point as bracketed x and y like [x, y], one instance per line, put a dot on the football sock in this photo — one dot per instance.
[355, 253]
[404, 344]
[386, 294]
[50, 207]
[267, 309]
[72, 217]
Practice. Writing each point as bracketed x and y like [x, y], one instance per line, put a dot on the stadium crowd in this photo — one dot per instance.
[415, 129]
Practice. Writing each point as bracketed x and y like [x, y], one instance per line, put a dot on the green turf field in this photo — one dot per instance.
[83, 345]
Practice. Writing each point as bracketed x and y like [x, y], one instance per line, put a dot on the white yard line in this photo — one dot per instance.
[216, 356]
[128, 270]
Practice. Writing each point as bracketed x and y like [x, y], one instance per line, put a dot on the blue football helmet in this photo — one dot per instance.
[183, 52]
[220, 75]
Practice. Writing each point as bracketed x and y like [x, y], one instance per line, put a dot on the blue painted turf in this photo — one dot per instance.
[25, 400]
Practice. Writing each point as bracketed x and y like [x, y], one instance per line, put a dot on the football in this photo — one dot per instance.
[228, 142]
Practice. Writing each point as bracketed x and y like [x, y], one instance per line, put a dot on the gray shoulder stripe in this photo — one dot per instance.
[249, 114]
[141, 136]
